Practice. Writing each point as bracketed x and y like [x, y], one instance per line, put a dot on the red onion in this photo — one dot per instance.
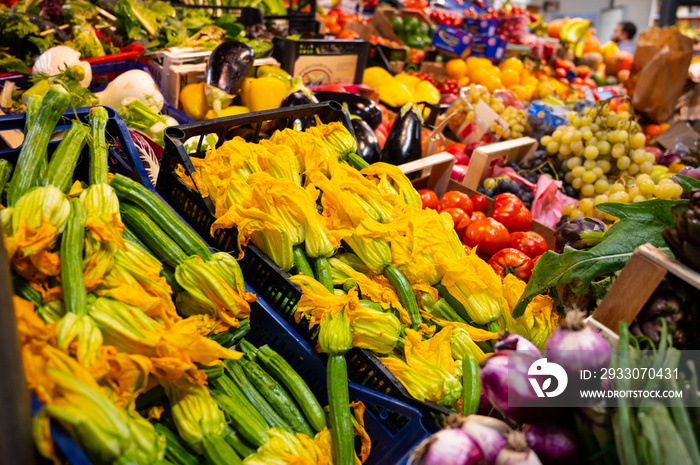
[669, 157]
[512, 341]
[577, 347]
[552, 443]
[516, 452]
[449, 446]
[489, 433]
[495, 377]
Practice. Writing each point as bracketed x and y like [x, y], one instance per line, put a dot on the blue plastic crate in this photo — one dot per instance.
[102, 74]
[126, 162]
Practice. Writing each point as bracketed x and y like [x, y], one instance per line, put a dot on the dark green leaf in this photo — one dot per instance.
[687, 183]
[10, 64]
[640, 223]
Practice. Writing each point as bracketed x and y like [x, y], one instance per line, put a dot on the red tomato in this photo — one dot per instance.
[467, 249]
[461, 228]
[429, 198]
[476, 216]
[457, 215]
[513, 217]
[506, 199]
[488, 234]
[560, 73]
[536, 259]
[512, 261]
[457, 199]
[530, 243]
[480, 203]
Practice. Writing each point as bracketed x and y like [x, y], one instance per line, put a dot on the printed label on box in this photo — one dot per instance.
[318, 70]
[452, 40]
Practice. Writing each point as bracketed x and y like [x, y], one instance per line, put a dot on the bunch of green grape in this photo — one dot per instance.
[515, 118]
[597, 146]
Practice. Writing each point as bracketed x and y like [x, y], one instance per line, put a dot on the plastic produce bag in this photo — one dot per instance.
[659, 71]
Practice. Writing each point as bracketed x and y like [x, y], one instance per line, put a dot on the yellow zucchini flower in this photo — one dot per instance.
[337, 136]
[311, 152]
[286, 448]
[278, 161]
[374, 330]
[429, 372]
[391, 180]
[476, 286]
[540, 317]
[84, 332]
[214, 287]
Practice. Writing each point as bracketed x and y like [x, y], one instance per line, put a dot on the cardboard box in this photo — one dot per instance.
[452, 40]
[381, 21]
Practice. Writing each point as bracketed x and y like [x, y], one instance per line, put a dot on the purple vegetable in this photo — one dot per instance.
[553, 444]
[488, 432]
[579, 233]
[516, 452]
[449, 446]
[689, 171]
[512, 341]
[669, 157]
[511, 368]
[577, 347]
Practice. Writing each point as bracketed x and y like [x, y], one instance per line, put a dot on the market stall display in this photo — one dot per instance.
[320, 235]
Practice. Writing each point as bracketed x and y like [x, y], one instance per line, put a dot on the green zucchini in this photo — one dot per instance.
[65, 158]
[248, 349]
[213, 371]
[261, 405]
[372, 305]
[36, 142]
[24, 290]
[444, 310]
[150, 398]
[405, 292]
[282, 372]
[453, 302]
[161, 215]
[471, 389]
[301, 263]
[342, 434]
[251, 430]
[323, 272]
[163, 247]
[175, 451]
[5, 172]
[238, 444]
[348, 285]
[131, 237]
[218, 452]
[99, 154]
[33, 104]
[232, 335]
[277, 397]
[169, 276]
[226, 385]
[74, 292]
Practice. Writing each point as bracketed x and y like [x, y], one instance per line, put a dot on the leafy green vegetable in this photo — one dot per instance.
[10, 64]
[230, 23]
[78, 12]
[687, 183]
[155, 23]
[208, 38]
[640, 223]
[85, 41]
[194, 20]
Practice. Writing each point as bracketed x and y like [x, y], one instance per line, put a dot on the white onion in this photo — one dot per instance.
[57, 59]
[489, 433]
[449, 446]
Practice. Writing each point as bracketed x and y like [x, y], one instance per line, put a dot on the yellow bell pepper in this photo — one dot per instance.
[409, 81]
[394, 93]
[265, 93]
[426, 92]
[193, 101]
[375, 76]
[228, 111]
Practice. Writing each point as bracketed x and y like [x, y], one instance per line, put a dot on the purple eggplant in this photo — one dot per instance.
[356, 104]
[228, 64]
[367, 143]
[579, 233]
[403, 144]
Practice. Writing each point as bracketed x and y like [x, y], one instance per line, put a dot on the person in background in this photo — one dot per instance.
[623, 35]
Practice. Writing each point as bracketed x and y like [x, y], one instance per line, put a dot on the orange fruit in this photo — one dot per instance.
[492, 83]
[522, 92]
[479, 75]
[456, 68]
[525, 74]
[463, 81]
[512, 63]
[510, 77]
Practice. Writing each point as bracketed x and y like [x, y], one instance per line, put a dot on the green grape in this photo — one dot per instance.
[623, 115]
[622, 135]
[578, 171]
[601, 198]
[604, 164]
[552, 147]
[590, 152]
[568, 177]
[545, 140]
[646, 167]
[650, 157]
[633, 169]
[589, 164]
[490, 183]
[598, 171]
[586, 134]
[564, 149]
[617, 187]
[567, 137]
[570, 116]
[611, 120]
[639, 198]
[577, 183]
[638, 140]
[589, 177]
[638, 156]
[618, 150]
[623, 162]
[577, 136]
[573, 162]
[601, 186]
[594, 127]
[577, 147]
[587, 190]
[557, 134]
[603, 147]
[612, 137]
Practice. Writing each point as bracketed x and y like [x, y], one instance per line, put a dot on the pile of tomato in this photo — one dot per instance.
[503, 238]
[445, 86]
[440, 16]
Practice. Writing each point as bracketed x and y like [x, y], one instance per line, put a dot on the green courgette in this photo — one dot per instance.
[323, 272]
[74, 292]
[283, 373]
[176, 451]
[99, 153]
[5, 172]
[405, 292]
[301, 263]
[246, 425]
[238, 444]
[163, 247]
[24, 290]
[65, 158]
[471, 389]
[218, 452]
[161, 215]
[342, 434]
[277, 397]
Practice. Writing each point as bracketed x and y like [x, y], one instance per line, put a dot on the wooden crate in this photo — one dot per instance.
[637, 282]
[435, 175]
[517, 150]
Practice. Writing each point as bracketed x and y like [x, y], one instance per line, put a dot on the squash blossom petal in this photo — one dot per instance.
[462, 344]
[374, 330]
[82, 330]
[390, 179]
[195, 413]
[311, 152]
[539, 319]
[213, 287]
[286, 448]
[337, 136]
[476, 286]
[429, 370]
[278, 161]
[379, 292]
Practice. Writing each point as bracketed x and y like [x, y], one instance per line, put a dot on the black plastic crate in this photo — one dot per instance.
[315, 55]
[268, 280]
